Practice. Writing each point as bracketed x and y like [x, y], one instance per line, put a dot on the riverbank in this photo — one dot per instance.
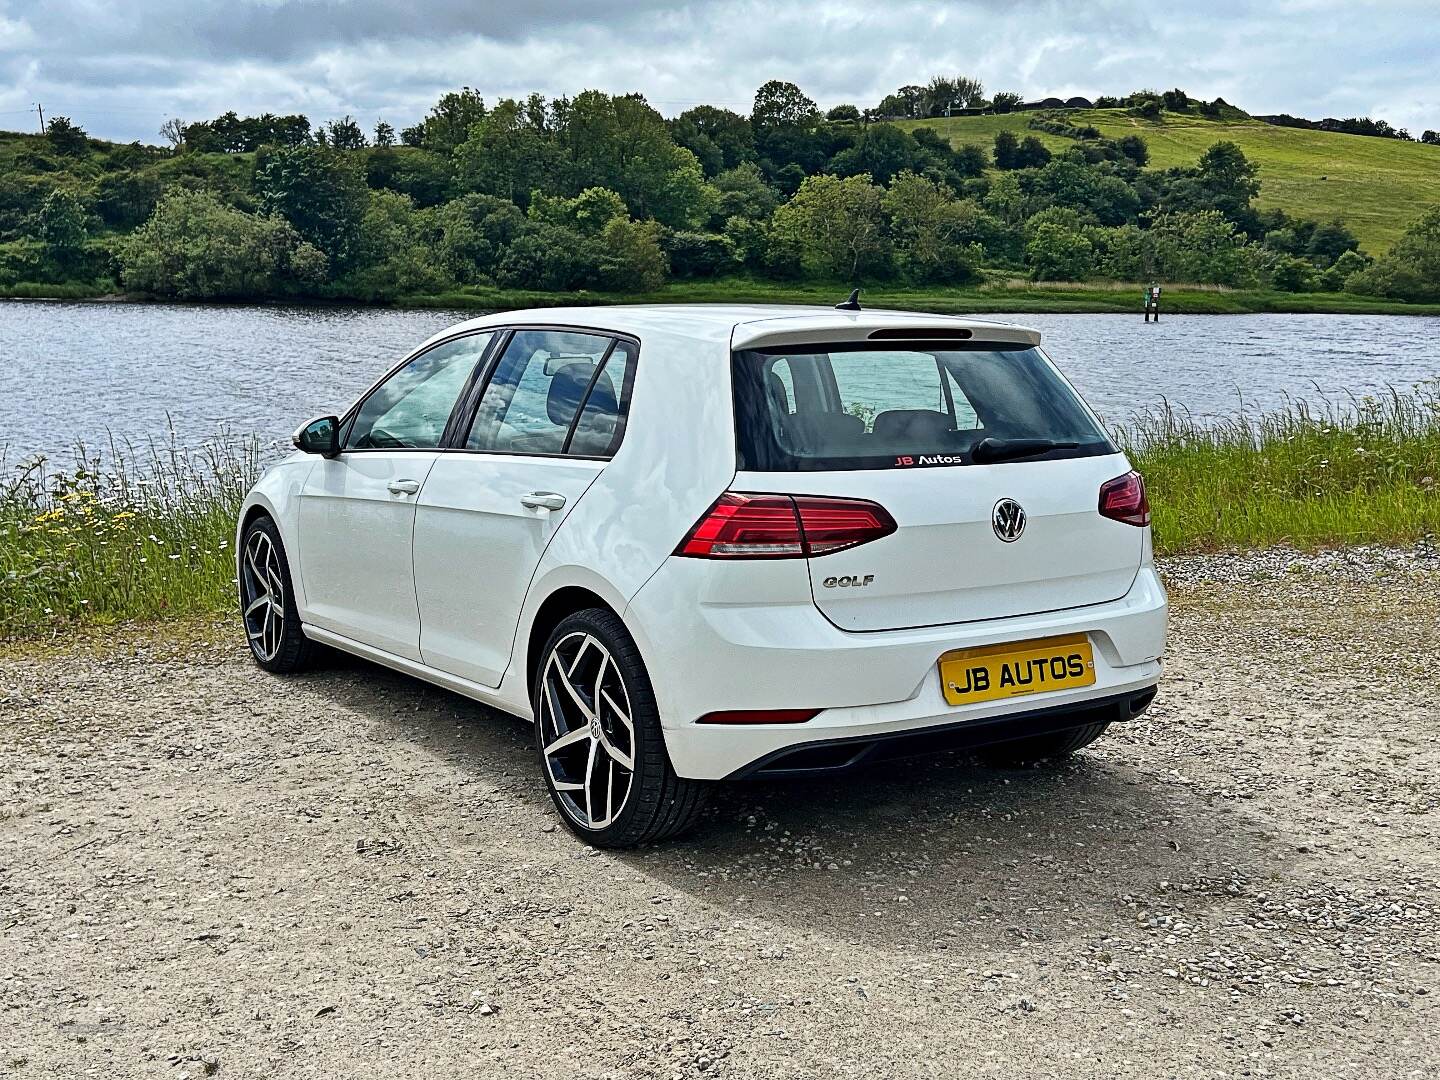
[213, 870]
[150, 538]
[995, 295]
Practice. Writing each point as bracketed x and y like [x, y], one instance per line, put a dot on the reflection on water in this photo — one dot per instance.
[73, 372]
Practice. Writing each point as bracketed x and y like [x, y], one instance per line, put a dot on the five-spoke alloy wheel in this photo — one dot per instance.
[267, 601]
[598, 735]
[586, 731]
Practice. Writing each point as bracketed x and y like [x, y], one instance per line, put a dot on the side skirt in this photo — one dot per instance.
[464, 687]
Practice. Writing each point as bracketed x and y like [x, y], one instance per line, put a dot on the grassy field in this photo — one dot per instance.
[148, 535]
[1376, 186]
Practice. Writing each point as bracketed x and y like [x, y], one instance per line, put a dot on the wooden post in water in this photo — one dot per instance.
[1152, 303]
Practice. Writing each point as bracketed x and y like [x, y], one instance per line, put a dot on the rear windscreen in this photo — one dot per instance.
[867, 406]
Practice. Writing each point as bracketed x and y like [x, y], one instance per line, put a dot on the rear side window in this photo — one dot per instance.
[555, 392]
[879, 407]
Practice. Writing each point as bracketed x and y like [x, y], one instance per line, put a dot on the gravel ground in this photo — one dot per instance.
[205, 870]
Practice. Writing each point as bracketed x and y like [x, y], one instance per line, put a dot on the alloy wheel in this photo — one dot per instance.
[586, 732]
[262, 591]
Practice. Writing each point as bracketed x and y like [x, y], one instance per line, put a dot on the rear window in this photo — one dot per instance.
[871, 406]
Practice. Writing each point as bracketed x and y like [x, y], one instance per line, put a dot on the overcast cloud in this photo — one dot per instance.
[119, 69]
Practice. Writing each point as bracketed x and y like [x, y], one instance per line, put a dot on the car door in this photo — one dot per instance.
[549, 417]
[357, 510]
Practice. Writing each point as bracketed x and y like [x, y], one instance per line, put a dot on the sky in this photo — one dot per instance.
[120, 68]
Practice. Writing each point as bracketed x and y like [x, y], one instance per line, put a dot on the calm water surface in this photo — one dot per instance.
[85, 372]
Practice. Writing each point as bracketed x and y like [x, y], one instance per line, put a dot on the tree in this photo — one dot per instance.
[1007, 150]
[927, 226]
[65, 138]
[743, 192]
[1055, 253]
[1134, 149]
[427, 177]
[384, 134]
[1032, 153]
[320, 192]
[475, 230]
[621, 143]
[700, 254]
[449, 121]
[943, 95]
[842, 114]
[1085, 188]
[1176, 100]
[1430, 138]
[882, 151]
[173, 132]
[1005, 101]
[1411, 270]
[345, 134]
[781, 105]
[196, 247]
[786, 123]
[834, 228]
[512, 152]
[719, 138]
[393, 255]
[1203, 246]
[61, 226]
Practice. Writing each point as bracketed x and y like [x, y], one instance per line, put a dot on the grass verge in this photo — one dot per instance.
[144, 534]
[1359, 471]
[130, 533]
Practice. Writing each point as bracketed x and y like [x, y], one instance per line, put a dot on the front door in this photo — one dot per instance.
[357, 511]
[550, 417]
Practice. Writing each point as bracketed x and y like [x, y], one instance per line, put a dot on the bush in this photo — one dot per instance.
[699, 254]
[1055, 253]
[1289, 274]
[197, 248]
[1411, 271]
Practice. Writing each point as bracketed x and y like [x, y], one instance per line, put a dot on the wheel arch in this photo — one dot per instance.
[563, 602]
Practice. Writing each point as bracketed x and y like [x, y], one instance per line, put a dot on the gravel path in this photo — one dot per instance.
[209, 871]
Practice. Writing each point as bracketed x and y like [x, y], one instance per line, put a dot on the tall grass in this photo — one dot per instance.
[128, 533]
[143, 533]
[1336, 473]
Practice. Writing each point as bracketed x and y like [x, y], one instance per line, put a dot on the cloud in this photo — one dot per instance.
[120, 69]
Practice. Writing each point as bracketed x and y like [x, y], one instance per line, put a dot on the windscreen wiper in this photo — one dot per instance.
[990, 449]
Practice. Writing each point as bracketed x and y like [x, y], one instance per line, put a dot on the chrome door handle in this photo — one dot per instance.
[543, 500]
[404, 487]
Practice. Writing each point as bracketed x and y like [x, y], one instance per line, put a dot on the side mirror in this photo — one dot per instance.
[320, 436]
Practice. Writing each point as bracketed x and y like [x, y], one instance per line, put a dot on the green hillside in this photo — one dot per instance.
[1376, 186]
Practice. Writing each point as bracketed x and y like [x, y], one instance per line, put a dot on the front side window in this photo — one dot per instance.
[555, 392]
[410, 409]
[876, 407]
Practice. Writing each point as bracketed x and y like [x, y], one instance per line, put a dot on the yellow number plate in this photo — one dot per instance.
[1016, 668]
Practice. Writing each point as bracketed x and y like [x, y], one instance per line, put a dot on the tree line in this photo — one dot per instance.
[601, 192]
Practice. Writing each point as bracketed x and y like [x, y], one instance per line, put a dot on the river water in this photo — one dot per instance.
[86, 372]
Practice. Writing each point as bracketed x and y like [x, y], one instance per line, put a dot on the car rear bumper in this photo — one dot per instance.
[872, 687]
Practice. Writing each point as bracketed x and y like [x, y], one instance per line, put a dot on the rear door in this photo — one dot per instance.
[547, 421]
[899, 428]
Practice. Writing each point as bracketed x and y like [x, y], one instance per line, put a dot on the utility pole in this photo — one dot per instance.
[41, 110]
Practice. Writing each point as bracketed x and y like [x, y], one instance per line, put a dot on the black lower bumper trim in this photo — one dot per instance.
[829, 756]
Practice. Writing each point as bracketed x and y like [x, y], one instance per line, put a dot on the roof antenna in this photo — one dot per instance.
[852, 304]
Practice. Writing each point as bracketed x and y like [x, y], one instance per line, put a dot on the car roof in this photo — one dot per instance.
[748, 325]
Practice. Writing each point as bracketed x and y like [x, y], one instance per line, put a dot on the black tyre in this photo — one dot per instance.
[597, 733]
[1039, 747]
[267, 602]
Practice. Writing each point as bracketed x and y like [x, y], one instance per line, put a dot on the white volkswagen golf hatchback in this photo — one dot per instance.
[698, 543]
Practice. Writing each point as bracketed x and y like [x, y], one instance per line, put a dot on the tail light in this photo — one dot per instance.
[741, 526]
[1123, 499]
